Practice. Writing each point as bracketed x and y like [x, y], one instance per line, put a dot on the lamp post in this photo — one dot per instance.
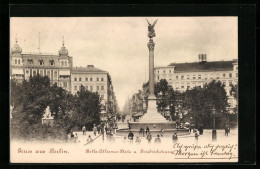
[214, 131]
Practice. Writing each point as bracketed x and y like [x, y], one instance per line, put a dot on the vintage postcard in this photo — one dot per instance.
[124, 89]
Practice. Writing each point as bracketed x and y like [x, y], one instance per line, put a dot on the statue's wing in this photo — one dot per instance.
[147, 22]
[154, 23]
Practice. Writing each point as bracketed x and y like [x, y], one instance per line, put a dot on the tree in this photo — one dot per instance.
[199, 102]
[36, 98]
[162, 88]
[87, 108]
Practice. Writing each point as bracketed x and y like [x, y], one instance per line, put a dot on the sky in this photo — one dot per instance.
[119, 44]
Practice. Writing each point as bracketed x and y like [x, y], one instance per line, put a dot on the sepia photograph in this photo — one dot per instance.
[124, 89]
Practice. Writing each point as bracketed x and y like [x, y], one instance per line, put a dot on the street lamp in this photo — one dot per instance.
[214, 131]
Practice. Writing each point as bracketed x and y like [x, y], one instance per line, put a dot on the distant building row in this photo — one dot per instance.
[60, 70]
[183, 76]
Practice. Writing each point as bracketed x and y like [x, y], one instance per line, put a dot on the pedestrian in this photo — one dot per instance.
[84, 130]
[89, 139]
[125, 140]
[157, 139]
[71, 134]
[196, 134]
[95, 130]
[131, 136]
[138, 140]
[147, 130]
[226, 131]
[76, 138]
[162, 133]
[141, 131]
[190, 128]
[175, 137]
[200, 130]
[149, 137]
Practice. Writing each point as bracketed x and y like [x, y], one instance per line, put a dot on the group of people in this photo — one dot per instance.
[138, 140]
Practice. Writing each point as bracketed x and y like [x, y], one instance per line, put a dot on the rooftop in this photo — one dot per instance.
[203, 66]
[89, 68]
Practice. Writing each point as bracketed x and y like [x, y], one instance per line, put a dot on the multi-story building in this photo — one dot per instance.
[94, 80]
[56, 67]
[59, 68]
[183, 76]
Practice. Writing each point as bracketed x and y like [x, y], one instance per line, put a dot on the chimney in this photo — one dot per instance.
[202, 57]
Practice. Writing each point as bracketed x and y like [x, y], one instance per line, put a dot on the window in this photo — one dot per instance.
[102, 87]
[182, 87]
[224, 83]
[163, 71]
[91, 88]
[224, 75]
[158, 77]
[194, 77]
[65, 63]
[102, 97]
[176, 77]
[158, 71]
[51, 62]
[230, 83]
[206, 76]
[102, 79]
[62, 63]
[75, 87]
[15, 61]
[188, 76]
[65, 84]
[80, 79]
[86, 79]
[48, 73]
[75, 79]
[19, 62]
[97, 88]
[170, 71]
[230, 74]
[34, 73]
[188, 85]
[199, 77]
[30, 61]
[55, 74]
[91, 79]
[41, 72]
[217, 76]
[86, 87]
[97, 79]
[182, 77]
[41, 62]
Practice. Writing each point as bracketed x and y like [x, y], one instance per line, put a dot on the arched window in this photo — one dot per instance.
[15, 61]
[19, 61]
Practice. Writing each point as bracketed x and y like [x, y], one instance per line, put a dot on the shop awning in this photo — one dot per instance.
[17, 71]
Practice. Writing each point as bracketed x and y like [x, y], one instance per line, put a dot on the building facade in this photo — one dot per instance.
[183, 76]
[59, 68]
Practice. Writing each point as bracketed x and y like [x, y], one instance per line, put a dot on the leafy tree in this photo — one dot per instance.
[199, 102]
[87, 108]
[36, 98]
[162, 88]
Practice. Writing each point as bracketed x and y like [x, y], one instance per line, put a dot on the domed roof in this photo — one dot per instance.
[63, 50]
[16, 48]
